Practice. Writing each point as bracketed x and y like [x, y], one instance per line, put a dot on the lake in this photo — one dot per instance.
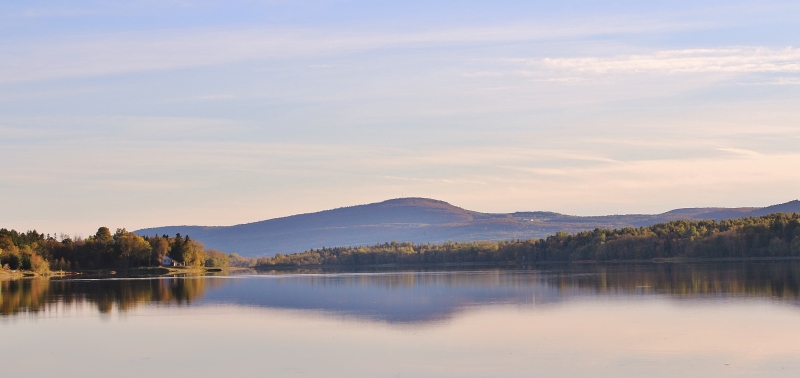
[673, 320]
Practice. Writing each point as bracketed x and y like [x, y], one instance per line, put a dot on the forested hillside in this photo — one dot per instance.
[423, 220]
[775, 235]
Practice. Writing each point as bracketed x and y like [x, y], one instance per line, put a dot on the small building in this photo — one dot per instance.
[168, 261]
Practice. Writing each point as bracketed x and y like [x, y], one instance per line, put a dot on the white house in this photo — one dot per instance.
[168, 261]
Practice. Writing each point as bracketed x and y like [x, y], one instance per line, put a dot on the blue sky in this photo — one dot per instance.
[148, 113]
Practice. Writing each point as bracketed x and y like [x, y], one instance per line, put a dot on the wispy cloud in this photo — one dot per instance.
[433, 180]
[739, 151]
[779, 81]
[114, 53]
[483, 74]
[731, 60]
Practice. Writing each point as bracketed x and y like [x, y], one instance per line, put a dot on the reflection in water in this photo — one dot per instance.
[778, 280]
[414, 296]
[560, 321]
[423, 297]
[35, 295]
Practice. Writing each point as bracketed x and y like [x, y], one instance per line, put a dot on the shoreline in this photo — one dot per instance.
[12, 275]
[227, 271]
[129, 273]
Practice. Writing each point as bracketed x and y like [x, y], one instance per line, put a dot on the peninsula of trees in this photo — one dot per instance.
[774, 235]
[40, 253]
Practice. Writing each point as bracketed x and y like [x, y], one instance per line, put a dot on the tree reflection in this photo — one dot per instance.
[780, 280]
[414, 296]
[35, 295]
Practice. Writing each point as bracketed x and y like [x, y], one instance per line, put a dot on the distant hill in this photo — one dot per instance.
[422, 220]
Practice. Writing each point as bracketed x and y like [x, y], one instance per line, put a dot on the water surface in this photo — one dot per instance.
[724, 319]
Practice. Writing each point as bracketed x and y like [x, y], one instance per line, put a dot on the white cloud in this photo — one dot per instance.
[779, 81]
[483, 74]
[114, 53]
[562, 80]
[740, 151]
[730, 60]
[787, 81]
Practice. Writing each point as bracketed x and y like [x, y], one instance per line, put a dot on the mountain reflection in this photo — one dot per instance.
[407, 297]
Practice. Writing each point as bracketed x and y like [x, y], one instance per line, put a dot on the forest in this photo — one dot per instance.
[40, 253]
[774, 235]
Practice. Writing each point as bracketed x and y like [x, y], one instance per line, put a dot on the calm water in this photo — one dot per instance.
[675, 320]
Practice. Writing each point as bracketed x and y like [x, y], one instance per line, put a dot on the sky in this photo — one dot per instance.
[150, 113]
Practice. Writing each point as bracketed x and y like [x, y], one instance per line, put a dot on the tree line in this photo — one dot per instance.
[42, 253]
[774, 235]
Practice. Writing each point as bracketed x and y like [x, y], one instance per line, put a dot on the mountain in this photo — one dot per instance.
[788, 207]
[422, 220]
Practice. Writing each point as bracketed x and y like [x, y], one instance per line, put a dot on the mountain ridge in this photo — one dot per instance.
[422, 220]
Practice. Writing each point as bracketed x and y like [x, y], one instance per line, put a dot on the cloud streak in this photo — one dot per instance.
[730, 60]
[124, 52]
